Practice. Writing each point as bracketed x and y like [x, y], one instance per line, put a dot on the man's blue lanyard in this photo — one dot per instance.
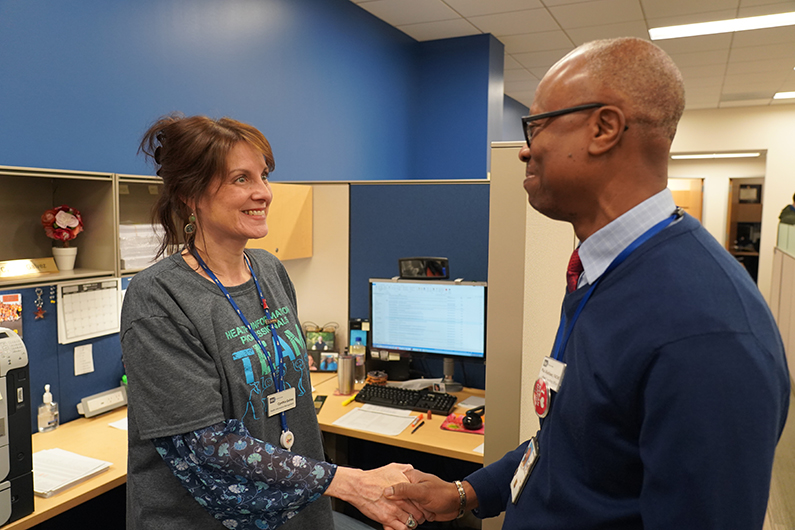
[278, 377]
[561, 339]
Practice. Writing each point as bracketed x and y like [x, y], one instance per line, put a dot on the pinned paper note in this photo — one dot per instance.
[84, 359]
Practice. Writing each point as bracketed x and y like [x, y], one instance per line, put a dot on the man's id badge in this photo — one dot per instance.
[552, 372]
[281, 401]
[525, 468]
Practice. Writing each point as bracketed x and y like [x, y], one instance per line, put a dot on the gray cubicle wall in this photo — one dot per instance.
[389, 221]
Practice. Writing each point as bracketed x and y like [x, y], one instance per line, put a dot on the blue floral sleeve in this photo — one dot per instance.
[243, 482]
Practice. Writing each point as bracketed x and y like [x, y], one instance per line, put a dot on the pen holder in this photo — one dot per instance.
[345, 373]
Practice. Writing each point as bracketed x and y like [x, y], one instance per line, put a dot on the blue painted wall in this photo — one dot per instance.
[340, 94]
[452, 129]
[512, 120]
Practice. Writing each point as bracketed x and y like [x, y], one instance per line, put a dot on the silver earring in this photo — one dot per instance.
[191, 226]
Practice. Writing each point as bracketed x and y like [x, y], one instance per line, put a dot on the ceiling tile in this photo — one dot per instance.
[519, 75]
[702, 43]
[443, 29]
[745, 103]
[472, 8]
[540, 71]
[701, 58]
[760, 37]
[550, 3]
[401, 12]
[516, 23]
[714, 82]
[674, 8]
[521, 86]
[624, 29]
[536, 42]
[772, 80]
[769, 51]
[701, 71]
[766, 9]
[511, 63]
[543, 59]
[749, 3]
[703, 93]
[694, 18]
[750, 67]
[524, 97]
[597, 12]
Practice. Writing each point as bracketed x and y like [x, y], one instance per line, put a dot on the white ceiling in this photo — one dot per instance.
[728, 70]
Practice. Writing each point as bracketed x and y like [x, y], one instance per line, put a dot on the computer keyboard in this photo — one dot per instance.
[401, 398]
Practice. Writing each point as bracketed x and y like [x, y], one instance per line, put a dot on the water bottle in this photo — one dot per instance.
[358, 351]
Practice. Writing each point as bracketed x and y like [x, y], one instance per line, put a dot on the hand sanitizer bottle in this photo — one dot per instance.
[48, 412]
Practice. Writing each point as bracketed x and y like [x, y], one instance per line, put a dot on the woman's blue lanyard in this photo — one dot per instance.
[561, 339]
[278, 377]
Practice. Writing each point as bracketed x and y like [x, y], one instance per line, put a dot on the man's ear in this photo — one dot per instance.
[609, 126]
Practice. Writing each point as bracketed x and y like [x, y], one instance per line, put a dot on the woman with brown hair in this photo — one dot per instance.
[222, 428]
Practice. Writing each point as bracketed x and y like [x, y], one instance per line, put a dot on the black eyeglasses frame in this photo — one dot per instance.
[526, 120]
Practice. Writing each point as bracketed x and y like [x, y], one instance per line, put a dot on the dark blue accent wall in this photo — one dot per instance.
[341, 94]
[393, 221]
[452, 123]
[512, 120]
[52, 363]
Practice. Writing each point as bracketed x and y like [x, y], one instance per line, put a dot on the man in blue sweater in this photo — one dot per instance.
[667, 389]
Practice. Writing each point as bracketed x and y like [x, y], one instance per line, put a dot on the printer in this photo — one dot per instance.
[16, 459]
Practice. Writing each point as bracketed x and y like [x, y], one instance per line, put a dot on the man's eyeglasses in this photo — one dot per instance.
[527, 121]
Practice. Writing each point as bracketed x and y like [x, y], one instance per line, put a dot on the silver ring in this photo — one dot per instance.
[411, 523]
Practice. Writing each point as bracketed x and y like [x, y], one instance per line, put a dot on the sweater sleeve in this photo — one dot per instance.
[241, 481]
[492, 484]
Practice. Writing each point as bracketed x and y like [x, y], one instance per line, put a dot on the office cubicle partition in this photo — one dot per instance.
[406, 219]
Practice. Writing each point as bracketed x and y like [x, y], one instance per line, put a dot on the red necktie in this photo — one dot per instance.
[573, 271]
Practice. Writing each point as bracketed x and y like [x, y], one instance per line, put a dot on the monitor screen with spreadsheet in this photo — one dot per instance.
[446, 318]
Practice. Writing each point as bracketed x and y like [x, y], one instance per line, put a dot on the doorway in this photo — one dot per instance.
[744, 222]
[688, 194]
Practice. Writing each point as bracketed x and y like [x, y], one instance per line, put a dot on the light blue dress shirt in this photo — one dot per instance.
[599, 250]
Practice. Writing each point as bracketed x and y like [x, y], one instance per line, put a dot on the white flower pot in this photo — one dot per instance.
[64, 257]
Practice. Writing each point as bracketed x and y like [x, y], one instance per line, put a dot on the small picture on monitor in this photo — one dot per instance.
[320, 340]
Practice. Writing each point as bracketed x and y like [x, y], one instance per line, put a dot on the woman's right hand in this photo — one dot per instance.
[365, 490]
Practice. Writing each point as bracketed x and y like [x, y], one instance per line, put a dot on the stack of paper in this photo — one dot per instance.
[54, 470]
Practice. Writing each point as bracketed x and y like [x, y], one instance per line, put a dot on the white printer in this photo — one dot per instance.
[16, 460]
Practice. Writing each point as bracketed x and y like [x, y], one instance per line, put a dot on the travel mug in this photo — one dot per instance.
[345, 373]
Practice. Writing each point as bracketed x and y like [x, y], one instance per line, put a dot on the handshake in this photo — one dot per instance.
[399, 496]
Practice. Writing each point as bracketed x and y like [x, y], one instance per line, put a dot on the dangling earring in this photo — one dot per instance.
[191, 226]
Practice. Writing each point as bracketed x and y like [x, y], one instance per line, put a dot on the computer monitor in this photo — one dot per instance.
[444, 318]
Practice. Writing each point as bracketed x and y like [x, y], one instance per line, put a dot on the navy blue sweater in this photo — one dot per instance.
[675, 394]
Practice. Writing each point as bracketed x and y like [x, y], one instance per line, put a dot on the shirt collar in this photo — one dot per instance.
[604, 245]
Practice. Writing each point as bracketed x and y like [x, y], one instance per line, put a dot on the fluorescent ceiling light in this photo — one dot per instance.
[715, 155]
[784, 95]
[723, 26]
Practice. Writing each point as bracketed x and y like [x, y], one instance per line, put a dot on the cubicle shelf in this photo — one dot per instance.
[29, 192]
[137, 197]
[54, 277]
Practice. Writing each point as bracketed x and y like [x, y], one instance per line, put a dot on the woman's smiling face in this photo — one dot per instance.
[235, 206]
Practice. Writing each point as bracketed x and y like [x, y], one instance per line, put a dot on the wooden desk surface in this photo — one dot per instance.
[94, 437]
[430, 438]
[85, 436]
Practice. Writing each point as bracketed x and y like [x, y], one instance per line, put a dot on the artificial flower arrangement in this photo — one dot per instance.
[62, 223]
